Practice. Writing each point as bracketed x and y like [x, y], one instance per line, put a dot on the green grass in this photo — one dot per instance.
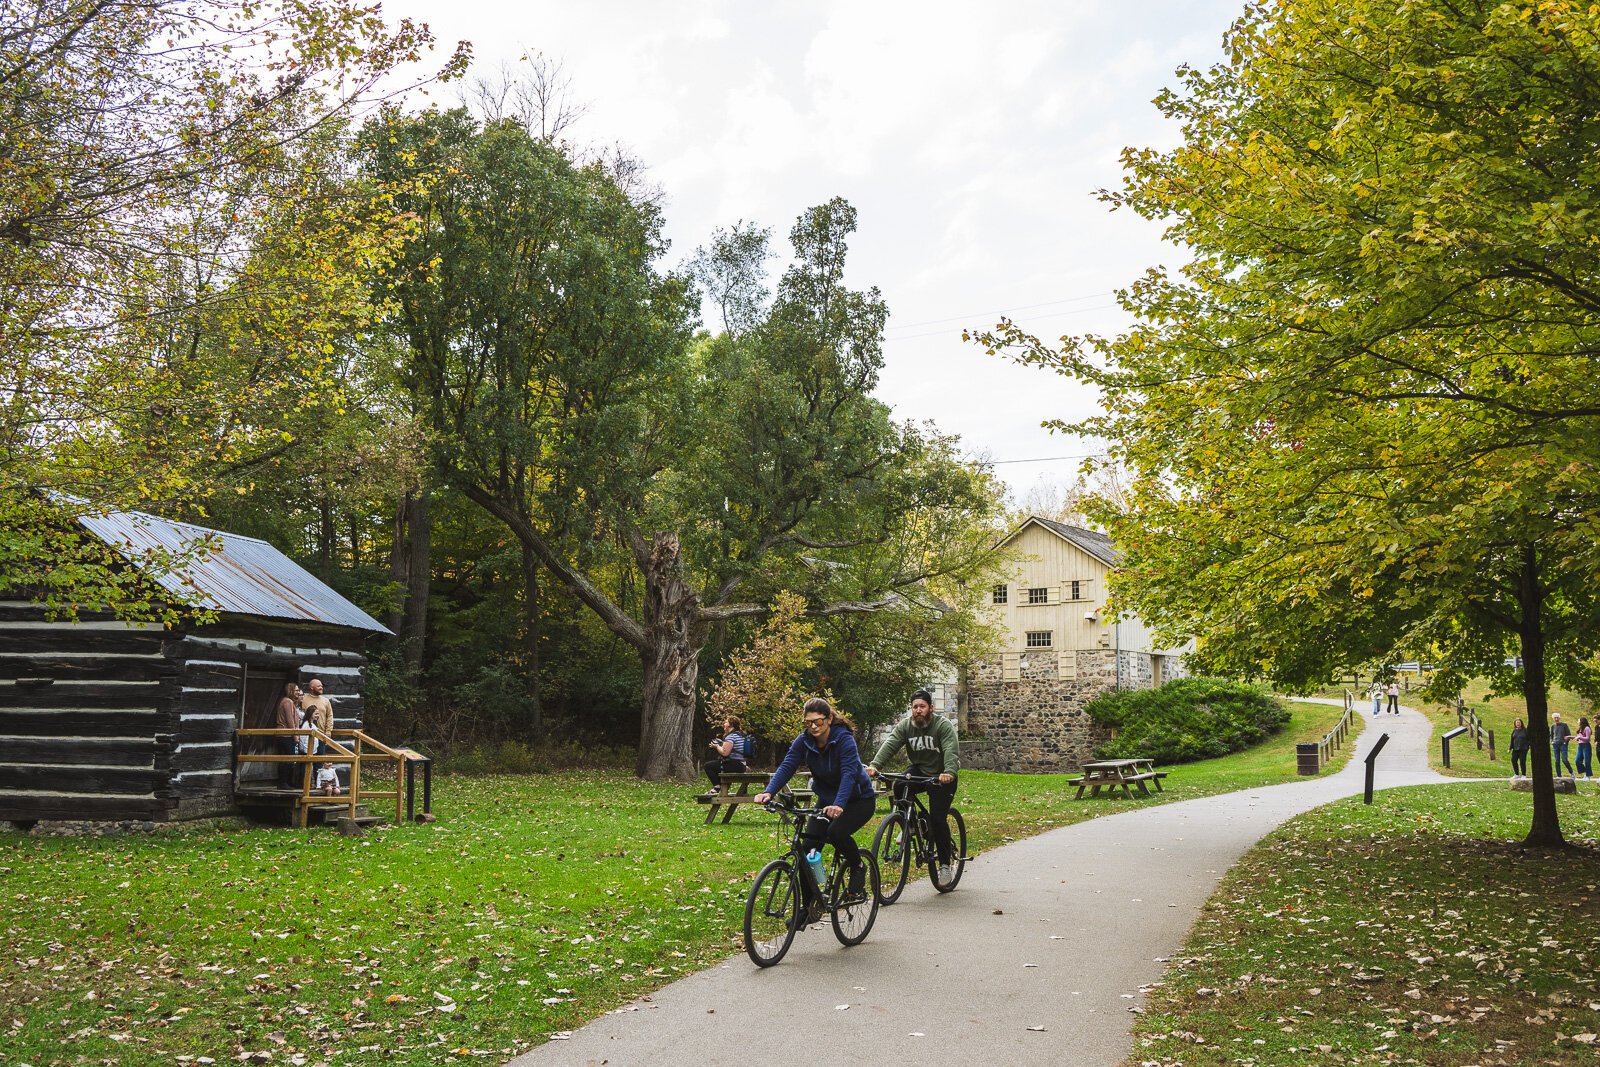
[535, 904]
[1412, 931]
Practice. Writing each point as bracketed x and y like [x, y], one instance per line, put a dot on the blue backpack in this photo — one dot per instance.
[747, 749]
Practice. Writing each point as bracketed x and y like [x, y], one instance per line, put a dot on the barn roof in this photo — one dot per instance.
[224, 571]
[1096, 544]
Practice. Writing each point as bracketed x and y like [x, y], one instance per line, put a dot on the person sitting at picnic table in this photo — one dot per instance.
[844, 792]
[935, 752]
[732, 751]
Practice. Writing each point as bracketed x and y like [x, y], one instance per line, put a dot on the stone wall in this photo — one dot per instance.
[1036, 723]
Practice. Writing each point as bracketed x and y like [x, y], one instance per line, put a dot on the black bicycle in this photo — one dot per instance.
[786, 896]
[907, 832]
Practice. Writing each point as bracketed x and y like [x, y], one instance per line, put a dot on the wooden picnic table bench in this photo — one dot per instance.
[736, 788]
[733, 789]
[1112, 774]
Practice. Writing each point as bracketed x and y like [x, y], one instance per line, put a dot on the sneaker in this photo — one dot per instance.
[858, 880]
[946, 872]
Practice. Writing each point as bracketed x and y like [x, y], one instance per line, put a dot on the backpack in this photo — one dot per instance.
[749, 749]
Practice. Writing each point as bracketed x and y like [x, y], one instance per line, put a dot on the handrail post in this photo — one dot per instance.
[1444, 742]
[1372, 763]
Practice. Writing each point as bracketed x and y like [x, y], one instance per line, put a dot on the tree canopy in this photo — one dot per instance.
[1362, 417]
[178, 252]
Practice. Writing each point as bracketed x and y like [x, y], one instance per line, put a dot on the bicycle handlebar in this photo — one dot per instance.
[914, 779]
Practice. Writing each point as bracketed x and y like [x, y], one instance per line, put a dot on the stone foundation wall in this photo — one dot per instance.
[1036, 723]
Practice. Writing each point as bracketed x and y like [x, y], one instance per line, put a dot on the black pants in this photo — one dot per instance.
[288, 773]
[940, 797]
[1394, 703]
[838, 832]
[1519, 762]
[716, 768]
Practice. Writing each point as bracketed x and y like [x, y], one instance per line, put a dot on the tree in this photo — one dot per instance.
[762, 681]
[555, 366]
[1363, 416]
[164, 189]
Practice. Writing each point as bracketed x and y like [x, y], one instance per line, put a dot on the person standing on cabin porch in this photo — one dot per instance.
[322, 711]
[288, 718]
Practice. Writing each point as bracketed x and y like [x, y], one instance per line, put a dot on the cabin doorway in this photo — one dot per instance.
[258, 710]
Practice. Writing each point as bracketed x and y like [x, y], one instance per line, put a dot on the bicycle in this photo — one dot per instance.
[906, 832]
[786, 897]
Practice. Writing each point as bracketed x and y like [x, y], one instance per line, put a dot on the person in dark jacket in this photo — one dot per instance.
[844, 792]
[1560, 735]
[1519, 750]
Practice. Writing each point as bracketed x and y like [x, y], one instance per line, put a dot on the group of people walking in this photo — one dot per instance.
[1562, 738]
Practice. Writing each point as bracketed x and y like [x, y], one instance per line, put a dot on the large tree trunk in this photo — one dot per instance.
[1546, 829]
[675, 634]
[532, 617]
[409, 568]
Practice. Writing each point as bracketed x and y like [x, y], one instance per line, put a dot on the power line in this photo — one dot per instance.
[1046, 459]
[1002, 311]
[1036, 318]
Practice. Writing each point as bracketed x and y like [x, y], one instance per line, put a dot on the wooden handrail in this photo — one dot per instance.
[335, 752]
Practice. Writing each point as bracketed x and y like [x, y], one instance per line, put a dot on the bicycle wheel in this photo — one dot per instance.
[853, 918]
[958, 861]
[771, 913]
[891, 847]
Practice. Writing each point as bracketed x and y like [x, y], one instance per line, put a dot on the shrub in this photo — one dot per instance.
[1186, 720]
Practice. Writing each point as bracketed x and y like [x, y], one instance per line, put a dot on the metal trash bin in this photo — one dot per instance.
[1307, 757]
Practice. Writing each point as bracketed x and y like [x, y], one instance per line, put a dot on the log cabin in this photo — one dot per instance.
[103, 720]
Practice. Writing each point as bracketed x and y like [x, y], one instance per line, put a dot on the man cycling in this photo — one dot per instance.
[931, 746]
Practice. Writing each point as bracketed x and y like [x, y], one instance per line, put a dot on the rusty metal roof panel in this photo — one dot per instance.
[224, 571]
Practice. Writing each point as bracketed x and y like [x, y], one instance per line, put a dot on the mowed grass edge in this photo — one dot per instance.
[1414, 931]
[535, 904]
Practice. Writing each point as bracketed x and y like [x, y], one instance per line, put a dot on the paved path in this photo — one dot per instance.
[1030, 960]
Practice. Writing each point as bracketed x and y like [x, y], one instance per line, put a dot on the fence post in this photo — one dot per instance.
[1491, 744]
[1372, 763]
[1444, 742]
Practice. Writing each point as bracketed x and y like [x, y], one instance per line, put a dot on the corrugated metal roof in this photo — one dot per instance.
[239, 574]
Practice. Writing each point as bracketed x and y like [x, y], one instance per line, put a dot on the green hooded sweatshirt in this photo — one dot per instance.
[932, 751]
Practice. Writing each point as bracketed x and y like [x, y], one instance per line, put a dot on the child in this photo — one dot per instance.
[328, 780]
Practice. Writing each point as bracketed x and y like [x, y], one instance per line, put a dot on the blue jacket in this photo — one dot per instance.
[836, 772]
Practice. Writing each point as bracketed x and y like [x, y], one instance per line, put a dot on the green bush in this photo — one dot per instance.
[516, 757]
[1189, 719]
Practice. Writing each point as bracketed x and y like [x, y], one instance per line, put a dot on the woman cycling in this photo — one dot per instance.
[844, 792]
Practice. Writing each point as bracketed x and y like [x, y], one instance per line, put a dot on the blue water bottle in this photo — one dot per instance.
[818, 871]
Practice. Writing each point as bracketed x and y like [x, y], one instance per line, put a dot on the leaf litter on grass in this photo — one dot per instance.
[1393, 934]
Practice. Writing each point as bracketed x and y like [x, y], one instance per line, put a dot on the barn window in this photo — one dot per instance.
[1039, 638]
[1000, 594]
[1039, 594]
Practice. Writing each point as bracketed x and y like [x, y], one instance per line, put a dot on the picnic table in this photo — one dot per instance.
[1110, 774]
[733, 790]
[744, 786]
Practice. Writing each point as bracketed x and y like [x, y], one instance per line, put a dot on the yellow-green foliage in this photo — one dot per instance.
[761, 683]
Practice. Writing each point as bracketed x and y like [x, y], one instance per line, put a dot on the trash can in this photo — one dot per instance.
[1306, 754]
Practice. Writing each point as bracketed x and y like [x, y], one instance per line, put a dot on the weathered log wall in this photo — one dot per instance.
[101, 719]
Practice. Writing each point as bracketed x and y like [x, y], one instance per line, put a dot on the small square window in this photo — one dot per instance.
[1038, 638]
[1000, 594]
[1039, 594]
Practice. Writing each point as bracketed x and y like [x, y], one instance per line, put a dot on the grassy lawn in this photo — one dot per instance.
[1413, 931]
[536, 903]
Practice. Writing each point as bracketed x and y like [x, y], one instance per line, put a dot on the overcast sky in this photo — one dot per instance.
[970, 138]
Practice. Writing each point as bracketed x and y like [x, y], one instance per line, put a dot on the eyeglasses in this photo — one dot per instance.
[814, 722]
